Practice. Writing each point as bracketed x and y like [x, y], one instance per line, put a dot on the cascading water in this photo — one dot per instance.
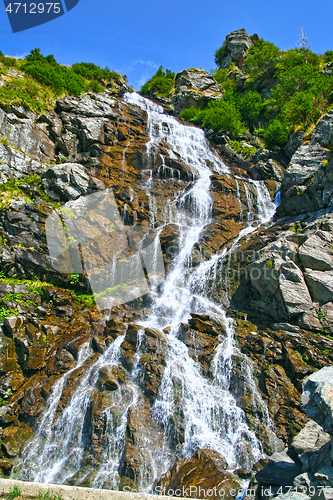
[210, 415]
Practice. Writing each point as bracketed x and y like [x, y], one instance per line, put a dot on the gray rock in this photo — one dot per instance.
[311, 439]
[323, 132]
[327, 319]
[292, 495]
[15, 164]
[308, 182]
[329, 69]
[317, 397]
[293, 289]
[320, 285]
[269, 169]
[238, 43]
[294, 142]
[316, 252]
[303, 165]
[194, 87]
[280, 471]
[22, 131]
[67, 181]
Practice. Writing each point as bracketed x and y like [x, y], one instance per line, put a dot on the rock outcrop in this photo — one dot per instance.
[237, 44]
[194, 87]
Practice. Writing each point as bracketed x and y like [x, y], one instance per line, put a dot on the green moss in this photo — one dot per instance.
[5, 312]
[240, 148]
[87, 299]
[296, 228]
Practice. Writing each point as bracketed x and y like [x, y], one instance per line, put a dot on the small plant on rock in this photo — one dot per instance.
[15, 492]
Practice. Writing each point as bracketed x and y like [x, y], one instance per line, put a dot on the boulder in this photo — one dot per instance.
[327, 317]
[320, 284]
[308, 182]
[280, 471]
[309, 440]
[205, 468]
[317, 398]
[316, 252]
[194, 87]
[269, 169]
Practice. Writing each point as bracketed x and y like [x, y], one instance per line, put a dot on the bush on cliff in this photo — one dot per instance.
[218, 115]
[48, 72]
[161, 84]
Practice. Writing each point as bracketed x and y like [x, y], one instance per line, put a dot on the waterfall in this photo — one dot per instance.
[210, 415]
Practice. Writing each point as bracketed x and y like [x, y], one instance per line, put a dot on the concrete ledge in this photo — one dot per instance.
[74, 492]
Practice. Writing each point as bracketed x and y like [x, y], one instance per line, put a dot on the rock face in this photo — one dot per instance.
[308, 183]
[194, 87]
[289, 278]
[276, 284]
[311, 451]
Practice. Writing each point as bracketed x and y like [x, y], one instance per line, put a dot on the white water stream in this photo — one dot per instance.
[210, 415]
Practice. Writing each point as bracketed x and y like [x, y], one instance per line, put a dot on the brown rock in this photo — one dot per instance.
[205, 469]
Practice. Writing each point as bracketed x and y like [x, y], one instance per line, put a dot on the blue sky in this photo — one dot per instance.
[136, 37]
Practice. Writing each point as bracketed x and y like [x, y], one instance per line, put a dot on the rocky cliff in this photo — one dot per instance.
[205, 375]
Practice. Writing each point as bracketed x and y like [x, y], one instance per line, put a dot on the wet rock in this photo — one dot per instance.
[204, 324]
[205, 468]
[8, 413]
[14, 438]
[106, 379]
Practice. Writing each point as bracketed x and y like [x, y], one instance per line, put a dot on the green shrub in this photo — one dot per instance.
[261, 62]
[219, 115]
[161, 84]
[276, 134]
[220, 75]
[220, 54]
[328, 56]
[48, 72]
[93, 72]
[252, 108]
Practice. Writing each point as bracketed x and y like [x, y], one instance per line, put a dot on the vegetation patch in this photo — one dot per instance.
[161, 84]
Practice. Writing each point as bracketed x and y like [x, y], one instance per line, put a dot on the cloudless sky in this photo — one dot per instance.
[136, 37]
